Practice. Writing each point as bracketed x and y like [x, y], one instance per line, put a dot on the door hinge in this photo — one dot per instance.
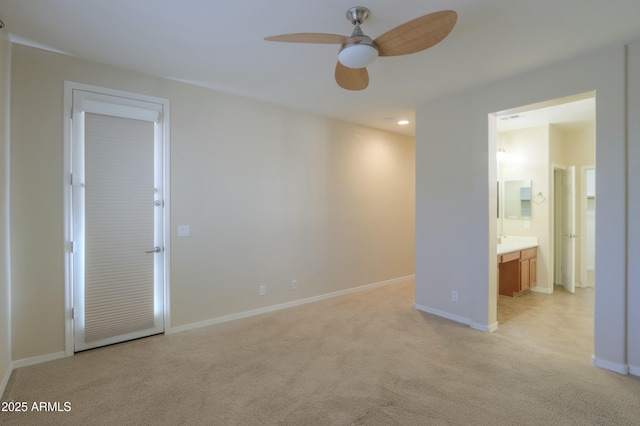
[71, 179]
[71, 246]
[72, 113]
[73, 313]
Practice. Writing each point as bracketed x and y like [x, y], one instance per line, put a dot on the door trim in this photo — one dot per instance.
[69, 86]
[553, 168]
[584, 278]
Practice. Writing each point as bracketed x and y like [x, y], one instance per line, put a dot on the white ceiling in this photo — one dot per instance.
[562, 112]
[219, 44]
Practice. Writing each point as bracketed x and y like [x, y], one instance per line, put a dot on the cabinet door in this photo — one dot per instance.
[529, 253]
[533, 272]
[498, 276]
[525, 278]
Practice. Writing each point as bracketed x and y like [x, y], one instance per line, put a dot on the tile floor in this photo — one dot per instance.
[560, 322]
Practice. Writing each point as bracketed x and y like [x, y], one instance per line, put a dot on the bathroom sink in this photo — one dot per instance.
[507, 247]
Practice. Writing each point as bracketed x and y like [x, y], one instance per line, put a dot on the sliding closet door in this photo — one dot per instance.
[118, 214]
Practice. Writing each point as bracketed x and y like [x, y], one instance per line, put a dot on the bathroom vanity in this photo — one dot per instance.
[517, 265]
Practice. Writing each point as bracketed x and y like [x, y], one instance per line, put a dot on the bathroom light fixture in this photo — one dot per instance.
[501, 153]
[403, 122]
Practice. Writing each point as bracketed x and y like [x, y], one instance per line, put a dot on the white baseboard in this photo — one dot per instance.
[443, 314]
[462, 320]
[38, 359]
[286, 305]
[633, 370]
[611, 366]
[5, 379]
[26, 362]
[542, 290]
[486, 328]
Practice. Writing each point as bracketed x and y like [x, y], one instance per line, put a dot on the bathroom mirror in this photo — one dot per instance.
[517, 199]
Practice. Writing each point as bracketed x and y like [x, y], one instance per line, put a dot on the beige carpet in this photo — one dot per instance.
[367, 358]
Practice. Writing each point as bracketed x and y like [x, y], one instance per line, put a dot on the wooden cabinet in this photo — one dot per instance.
[528, 263]
[533, 268]
[517, 272]
[525, 282]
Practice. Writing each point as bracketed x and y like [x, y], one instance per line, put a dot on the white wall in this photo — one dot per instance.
[271, 194]
[455, 194]
[5, 303]
[633, 121]
[452, 213]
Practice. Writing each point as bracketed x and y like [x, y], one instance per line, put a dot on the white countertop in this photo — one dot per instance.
[511, 243]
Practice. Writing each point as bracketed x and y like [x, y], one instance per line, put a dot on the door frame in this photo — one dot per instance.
[570, 198]
[584, 196]
[554, 168]
[69, 86]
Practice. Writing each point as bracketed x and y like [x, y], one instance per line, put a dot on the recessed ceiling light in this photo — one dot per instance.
[403, 122]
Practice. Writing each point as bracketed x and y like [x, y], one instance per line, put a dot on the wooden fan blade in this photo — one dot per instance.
[319, 38]
[351, 78]
[416, 35]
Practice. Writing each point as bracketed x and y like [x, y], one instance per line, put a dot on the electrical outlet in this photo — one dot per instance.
[294, 284]
[263, 290]
[184, 230]
[454, 296]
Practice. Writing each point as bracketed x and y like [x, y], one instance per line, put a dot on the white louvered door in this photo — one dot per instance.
[118, 213]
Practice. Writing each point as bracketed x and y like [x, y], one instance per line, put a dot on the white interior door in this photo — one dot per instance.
[559, 252]
[118, 252]
[569, 243]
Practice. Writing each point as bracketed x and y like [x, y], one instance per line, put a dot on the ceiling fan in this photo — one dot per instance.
[358, 50]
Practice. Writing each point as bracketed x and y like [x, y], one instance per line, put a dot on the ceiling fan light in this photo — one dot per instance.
[357, 55]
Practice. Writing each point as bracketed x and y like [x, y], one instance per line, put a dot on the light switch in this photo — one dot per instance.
[184, 230]
[527, 224]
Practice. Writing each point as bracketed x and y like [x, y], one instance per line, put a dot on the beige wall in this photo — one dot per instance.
[271, 194]
[5, 321]
[528, 159]
[531, 154]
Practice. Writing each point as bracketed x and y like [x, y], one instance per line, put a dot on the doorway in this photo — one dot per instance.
[116, 216]
[550, 144]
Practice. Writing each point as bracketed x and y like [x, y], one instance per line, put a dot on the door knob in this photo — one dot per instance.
[156, 249]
